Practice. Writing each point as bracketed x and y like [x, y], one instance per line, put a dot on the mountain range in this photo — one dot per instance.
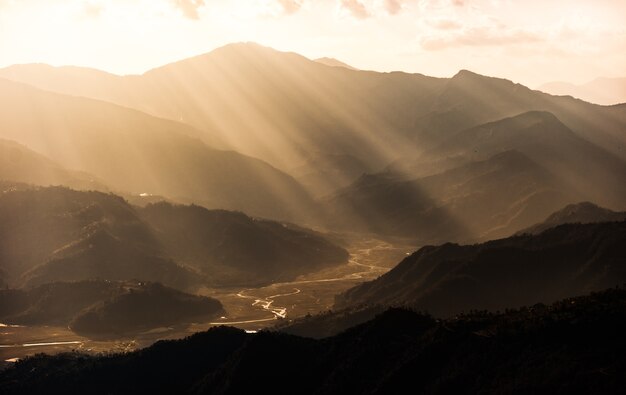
[570, 259]
[58, 234]
[606, 91]
[133, 152]
[325, 134]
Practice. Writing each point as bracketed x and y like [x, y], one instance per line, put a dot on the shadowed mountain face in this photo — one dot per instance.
[142, 308]
[448, 279]
[586, 168]
[104, 308]
[582, 213]
[474, 201]
[399, 349]
[133, 152]
[56, 234]
[485, 182]
[234, 248]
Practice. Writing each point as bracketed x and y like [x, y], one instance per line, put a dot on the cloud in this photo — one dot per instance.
[393, 7]
[290, 6]
[449, 33]
[92, 10]
[355, 8]
[446, 24]
[189, 7]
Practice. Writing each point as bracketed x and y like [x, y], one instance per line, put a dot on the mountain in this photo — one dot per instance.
[588, 169]
[136, 153]
[579, 341]
[230, 247]
[334, 63]
[323, 174]
[272, 105]
[581, 213]
[99, 308]
[478, 200]
[606, 91]
[484, 182]
[445, 280]
[57, 234]
[142, 308]
[243, 95]
[20, 164]
[470, 99]
[55, 303]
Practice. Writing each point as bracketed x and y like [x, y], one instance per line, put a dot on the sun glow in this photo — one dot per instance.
[431, 37]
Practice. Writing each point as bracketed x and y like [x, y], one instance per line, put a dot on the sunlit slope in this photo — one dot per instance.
[277, 106]
[133, 152]
[522, 270]
[470, 99]
[281, 106]
[57, 234]
[20, 164]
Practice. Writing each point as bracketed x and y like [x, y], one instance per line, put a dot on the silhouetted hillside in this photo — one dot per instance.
[142, 308]
[230, 247]
[573, 346]
[53, 304]
[583, 213]
[137, 153]
[474, 201]
[567, 260]
[105, 309]
[57, 234]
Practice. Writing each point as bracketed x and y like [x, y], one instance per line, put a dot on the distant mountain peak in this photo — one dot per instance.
[582, 212]
[332, 62]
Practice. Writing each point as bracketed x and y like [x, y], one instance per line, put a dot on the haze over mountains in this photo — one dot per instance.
[606, 91]
[327, 126]
[276, 183]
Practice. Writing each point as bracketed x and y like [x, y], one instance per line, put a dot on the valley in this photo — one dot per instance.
[251, 309]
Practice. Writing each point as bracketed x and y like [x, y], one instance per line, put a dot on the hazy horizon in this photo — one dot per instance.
[531, 43]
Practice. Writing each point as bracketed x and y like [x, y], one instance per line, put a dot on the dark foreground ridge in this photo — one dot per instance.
[573, 346]
[568, 260]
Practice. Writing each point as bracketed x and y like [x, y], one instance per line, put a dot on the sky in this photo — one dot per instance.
[529, 41]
